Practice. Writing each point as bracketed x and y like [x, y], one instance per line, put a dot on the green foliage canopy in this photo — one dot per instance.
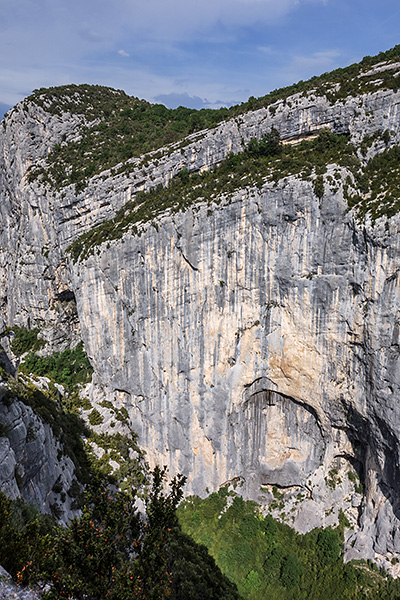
[26, 340]
[112, 552]
[268, 559]
[69, 367]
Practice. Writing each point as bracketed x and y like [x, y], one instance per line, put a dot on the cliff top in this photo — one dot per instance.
[116, 127]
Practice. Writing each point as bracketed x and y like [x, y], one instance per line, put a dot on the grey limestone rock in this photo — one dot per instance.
[254, 342]
[10, 591]
[32, 462]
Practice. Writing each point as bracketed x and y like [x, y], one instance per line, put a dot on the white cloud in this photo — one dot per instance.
[173, 100]
[52, 42]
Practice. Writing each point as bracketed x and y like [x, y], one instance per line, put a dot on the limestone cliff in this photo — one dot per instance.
[33, 463]
[254, 339]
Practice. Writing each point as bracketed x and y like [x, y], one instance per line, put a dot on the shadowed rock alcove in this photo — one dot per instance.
[282, 439]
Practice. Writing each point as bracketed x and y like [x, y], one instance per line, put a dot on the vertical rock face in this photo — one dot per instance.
[282, 443]
[32, 462]
[39, 223]
[254, 342]
[257, 344]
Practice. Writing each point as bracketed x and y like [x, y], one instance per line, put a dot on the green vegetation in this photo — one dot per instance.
[128, 128]
[24, 536]
[121, 414]
[377, 186]
[61, 411]
[264, 160]
[70, 367]
[78, 440]
[332, 480]
[319, 186]
[26, 340]
[131, 473]
[111, 551]
[354, 478]
[372, 187]
[95, 417]
[195, 575]
[268, 559]
[269, 145]
[119, 127]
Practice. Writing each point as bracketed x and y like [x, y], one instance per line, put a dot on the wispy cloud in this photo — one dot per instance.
[179, 20]
[44, 43]
[173, 100]
[207, 53]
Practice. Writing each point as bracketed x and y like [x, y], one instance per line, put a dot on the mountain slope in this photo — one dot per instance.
[239, 300]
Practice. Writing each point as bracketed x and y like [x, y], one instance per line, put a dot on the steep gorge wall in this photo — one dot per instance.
[193, 325]
[255, 342]
[33, 463]
[39, 223]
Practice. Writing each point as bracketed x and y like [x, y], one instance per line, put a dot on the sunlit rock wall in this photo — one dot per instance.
[258, 343]
[38, 223]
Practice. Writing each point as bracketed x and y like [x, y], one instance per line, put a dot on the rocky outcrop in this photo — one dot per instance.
[10, 591]
[254, 342]
[33, 464]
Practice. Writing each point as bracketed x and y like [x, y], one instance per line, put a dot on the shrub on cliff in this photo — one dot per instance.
[269, 145]
[26, 340]
[69, 367]
[24, 538]
[112, 551]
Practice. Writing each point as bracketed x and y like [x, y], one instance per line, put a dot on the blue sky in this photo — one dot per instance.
[196, 53]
